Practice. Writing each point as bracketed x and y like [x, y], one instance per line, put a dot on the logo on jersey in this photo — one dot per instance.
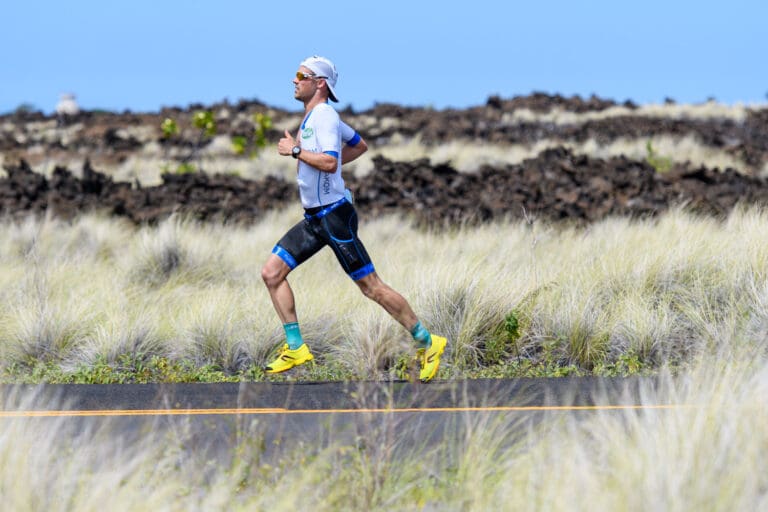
[307, 133]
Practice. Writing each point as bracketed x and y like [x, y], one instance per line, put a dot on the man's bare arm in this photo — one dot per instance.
[320, 161]
[350, 153]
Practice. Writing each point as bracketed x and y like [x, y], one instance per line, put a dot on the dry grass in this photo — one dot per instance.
[700, 111]
[688, 293]
[659, 291]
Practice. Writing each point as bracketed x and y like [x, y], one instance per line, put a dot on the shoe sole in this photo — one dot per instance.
[439, 353]
[306, 359]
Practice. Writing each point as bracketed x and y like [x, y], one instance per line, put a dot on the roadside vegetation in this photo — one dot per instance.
[98, 300]
[681, 298]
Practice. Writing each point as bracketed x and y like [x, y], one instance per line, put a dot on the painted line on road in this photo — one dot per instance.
[265, 411]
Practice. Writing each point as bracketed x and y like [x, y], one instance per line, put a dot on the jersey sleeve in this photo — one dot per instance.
[327, 125]
[348, 135]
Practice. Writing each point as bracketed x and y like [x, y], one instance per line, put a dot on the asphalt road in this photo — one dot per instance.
[214, 416]
[287, 397]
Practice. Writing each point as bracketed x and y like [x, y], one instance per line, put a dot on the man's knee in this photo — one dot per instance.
[274, 272]
[267, 275]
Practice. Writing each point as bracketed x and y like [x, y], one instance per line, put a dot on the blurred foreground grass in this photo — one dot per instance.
[705, 453]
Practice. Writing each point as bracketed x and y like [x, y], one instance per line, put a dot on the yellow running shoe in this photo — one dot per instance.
[288, 358]
[431, 358]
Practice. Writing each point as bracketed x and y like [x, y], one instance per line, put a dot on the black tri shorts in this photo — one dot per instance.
[334, 225]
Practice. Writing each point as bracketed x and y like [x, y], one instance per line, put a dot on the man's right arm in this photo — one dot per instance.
[324, 162]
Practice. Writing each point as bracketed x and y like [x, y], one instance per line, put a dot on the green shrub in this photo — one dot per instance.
[661, 163]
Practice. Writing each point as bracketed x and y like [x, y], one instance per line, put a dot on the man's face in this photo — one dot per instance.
[304, 83]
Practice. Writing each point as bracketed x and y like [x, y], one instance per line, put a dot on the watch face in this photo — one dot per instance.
[296, 151]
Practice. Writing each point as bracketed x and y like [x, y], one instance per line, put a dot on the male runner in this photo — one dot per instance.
[329, 219]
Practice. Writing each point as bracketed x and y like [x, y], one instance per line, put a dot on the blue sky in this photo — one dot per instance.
[142, 55]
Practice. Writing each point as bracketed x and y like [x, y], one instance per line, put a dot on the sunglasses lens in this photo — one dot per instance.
[302, 76]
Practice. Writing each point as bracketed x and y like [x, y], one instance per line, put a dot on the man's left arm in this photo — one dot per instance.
[349, 153]
[354, 145]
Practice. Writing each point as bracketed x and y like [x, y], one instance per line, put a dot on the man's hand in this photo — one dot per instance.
[320, 161]
[286, 144]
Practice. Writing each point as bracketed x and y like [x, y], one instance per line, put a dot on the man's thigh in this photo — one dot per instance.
[298, 245]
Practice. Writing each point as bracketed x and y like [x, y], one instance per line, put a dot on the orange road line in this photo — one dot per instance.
[202, 412]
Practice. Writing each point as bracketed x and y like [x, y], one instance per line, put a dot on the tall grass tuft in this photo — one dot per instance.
[214, 329]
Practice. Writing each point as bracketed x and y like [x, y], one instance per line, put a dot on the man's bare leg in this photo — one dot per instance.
[395, 304]
[431, 347]
[295, 351]
[274, 274]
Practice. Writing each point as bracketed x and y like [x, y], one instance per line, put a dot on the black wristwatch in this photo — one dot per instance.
[295, 151]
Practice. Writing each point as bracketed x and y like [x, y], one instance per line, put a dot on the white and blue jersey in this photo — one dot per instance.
[322, 131]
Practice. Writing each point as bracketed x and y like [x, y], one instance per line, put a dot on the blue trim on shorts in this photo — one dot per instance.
[362, 272]
[285, 256]
[325, 211]
[334, 154]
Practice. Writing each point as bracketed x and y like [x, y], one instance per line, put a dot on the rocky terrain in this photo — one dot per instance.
[551, 157]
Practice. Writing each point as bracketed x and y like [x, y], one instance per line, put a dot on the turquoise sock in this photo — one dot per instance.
[293, 335]
[421, 335]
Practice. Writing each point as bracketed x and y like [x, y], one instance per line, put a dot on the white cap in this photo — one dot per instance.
[323, 68]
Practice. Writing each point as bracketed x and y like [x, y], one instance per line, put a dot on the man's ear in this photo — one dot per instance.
[324, 84]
